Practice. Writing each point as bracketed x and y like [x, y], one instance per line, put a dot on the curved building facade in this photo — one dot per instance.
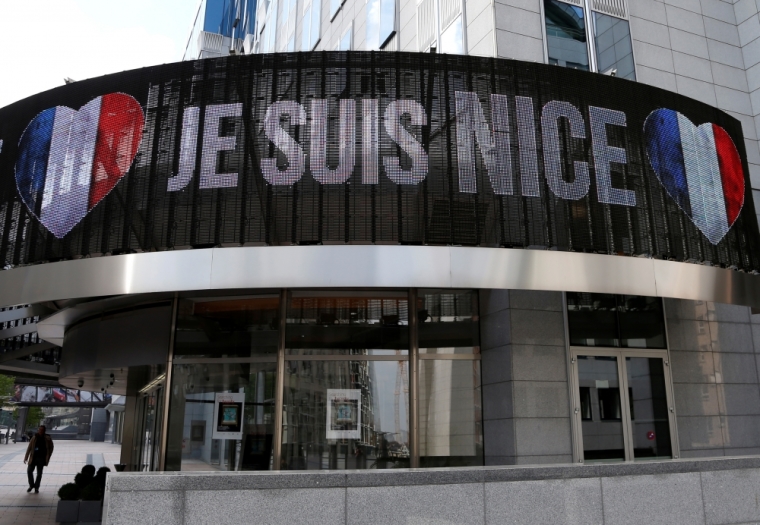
[348, 260]
[333, 245]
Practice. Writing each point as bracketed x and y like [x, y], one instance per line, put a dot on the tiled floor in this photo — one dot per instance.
[17, 507]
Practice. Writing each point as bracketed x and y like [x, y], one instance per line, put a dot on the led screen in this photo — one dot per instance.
[372, 148]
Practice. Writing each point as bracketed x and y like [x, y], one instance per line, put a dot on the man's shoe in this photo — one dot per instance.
[29, 489]
[36, 491]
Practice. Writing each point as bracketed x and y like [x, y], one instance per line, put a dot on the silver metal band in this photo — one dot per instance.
[367, 266]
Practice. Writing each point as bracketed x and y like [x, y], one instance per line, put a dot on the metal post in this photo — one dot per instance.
[414, 383]
[168, 390]
[279, 383]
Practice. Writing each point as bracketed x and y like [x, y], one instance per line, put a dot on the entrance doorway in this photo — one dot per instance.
[622, 405]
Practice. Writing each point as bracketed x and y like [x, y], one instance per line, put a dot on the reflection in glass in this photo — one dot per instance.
[334, 6]
[603, 433]
[642, 323]
[627, 321]
[650, 422]
[448, 322]
[450, 426]
[229, 327]
[451, 38]
[381, 23]
[324, 427]
[566, 35]
[345, 41]
[348, 324]
[190, 444]
[612, 39]
[147, 433]
[592, 319]
[387, 20]
[451, 430]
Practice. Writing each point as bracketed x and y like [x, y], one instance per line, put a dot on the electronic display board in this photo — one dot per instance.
[372, 148]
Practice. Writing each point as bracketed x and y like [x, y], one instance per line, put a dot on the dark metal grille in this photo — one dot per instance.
[141, 215]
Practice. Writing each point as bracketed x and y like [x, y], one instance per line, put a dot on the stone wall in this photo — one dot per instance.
[714, 349]
[716, 491]
[526, 410]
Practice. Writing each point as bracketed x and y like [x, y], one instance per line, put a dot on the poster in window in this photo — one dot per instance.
[228, 416]
[344, 414]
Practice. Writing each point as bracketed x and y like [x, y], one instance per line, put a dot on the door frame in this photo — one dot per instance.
[621, 354]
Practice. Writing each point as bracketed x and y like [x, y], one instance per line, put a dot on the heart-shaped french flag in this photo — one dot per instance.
[700, 169]
[70, 160]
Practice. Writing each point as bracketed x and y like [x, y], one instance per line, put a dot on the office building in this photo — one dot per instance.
[472, 238]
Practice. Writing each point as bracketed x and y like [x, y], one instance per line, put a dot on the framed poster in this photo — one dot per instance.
[228, 416]
[344, 413]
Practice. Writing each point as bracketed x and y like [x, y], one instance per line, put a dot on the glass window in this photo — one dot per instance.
[381, 23]
[306, 29]
[345, 40]
[592, 319]
[268, 26]
[451, 427]
[345, 415]
[566, 35]
[191, 443]
[649, 408]
[627, 321]
[448, 322]
[451, 38]
[641, 322]
[347, 324]
[602, 430]
[310, 29]
[612, 40]
[228, 327]
[450, 422]
[335, 7]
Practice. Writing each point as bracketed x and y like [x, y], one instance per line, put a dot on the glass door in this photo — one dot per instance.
[623, 405]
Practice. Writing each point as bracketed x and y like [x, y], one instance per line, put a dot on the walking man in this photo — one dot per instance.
[38, 454]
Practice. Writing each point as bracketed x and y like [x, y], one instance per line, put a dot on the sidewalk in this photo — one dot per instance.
[17, 507]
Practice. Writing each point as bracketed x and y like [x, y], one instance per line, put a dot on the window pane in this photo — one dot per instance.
[348, 324]
[612, 37]
[191, 445]
[591, 319]
[628, 321]
[448, 322]
[345, 41]
[387, 20]
[451, 38]
[229, 327]
[316, 10]
[306, 30]
[334, 6]
[641, 321]
[373, 25]
[345, 415]
[650, 422]
[566, 35]
[603, 431]
[451, 431]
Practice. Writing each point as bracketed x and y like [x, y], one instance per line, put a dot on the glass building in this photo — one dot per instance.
[220, 27]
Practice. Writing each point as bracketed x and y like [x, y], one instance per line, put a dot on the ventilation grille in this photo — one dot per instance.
[426, 24]
[616, 8]
[212, 42]
[450, 9]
